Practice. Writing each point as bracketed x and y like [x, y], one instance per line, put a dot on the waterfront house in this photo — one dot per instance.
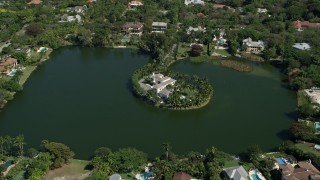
[253, 46]
[236, 173]
[159, 27]
[192, 2]
[133, 28]
[159, 84]
[181, 176]
[302, 46]
[301, 170]
[314, 94]
[134, 4]
[7, 65]
[196, 29]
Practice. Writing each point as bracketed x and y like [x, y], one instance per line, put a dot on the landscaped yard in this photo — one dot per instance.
[26, 73]
[222, 52]
[73, 170]
[307, 148]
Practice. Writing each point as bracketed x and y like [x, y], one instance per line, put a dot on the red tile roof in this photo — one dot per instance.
[181, 176]
[299, 24]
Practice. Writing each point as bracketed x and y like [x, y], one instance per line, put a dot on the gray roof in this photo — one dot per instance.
[302, 46]
[115, 177]
[159, 24]
[164, 83]
[236, 173]
[249, 43]
[165, 92]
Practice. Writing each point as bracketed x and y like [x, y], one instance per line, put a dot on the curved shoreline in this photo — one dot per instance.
[193, 107]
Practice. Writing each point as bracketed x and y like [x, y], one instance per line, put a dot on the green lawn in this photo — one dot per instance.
[276, 155]
[222, 52]
[198, 59]
[231, 163]
[182, 50]
[73, 170]
[26, 73]
[307, 148]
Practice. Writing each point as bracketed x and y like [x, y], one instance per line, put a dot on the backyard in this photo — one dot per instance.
[74, 170]
[307, 148]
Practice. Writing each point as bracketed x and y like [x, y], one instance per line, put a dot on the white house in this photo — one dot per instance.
[262, 10]
[196, 29]
[253, 46]
[188, 2]
[302, 46]
[159, 27]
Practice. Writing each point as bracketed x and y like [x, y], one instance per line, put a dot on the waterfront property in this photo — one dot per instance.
[159, 27]
[133, 28]
[253, 46]
[7, 65]
[301, 170]
[302, 46]
[236, 173]
[255, 174]
[158, 82]
[314, 94]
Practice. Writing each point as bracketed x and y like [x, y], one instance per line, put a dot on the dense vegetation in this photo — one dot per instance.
[236, 65]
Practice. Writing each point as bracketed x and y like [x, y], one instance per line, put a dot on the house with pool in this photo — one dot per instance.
[8, 65]
[297, 170]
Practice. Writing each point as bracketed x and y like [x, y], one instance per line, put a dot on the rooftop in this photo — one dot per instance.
[236, 172]
[302, 46]
[159, 24]
[249, 43]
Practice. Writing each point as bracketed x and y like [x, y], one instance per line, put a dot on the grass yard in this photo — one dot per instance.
[275, 155]
[222, 52]
[73, 170]
[307, 148]
[182, 50]
[26, 73]
[198, 59]
[231, 163]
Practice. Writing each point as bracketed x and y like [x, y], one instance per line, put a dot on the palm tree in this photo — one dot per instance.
[166, 148]
[8, 142]
[19, 142]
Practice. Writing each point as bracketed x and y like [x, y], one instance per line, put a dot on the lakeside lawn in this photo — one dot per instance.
[198, 59]
[234, 162]
[74, 170]
[307, 148]
[222, 52]
[26, 73]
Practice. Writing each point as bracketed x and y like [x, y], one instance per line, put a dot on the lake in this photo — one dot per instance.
[82, 97]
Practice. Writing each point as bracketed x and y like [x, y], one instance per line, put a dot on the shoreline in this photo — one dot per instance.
[193, 107]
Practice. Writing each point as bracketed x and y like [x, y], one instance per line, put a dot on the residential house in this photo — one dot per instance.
[314, 94]
[159, 27]
[134, 4]
[253, 46]
[35, 2]
[193, 2]
[221, 6]
[302, 46]
[77, 9]
[159, 85]
[133, 28]
[304, 24]
[67, 18]
[196, 29]
[7, 65]
[181, 176]
[302, 170]
[262, 10]
[236, 173]
[115, 177]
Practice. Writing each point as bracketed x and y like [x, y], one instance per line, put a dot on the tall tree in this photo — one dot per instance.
[19, 142]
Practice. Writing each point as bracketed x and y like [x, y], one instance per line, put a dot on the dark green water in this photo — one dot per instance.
[82, 97]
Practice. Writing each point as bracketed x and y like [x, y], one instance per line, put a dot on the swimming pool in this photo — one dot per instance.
[281, 161]
[255, 177]
[317, 125]
[12, 72]
[7, 164]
